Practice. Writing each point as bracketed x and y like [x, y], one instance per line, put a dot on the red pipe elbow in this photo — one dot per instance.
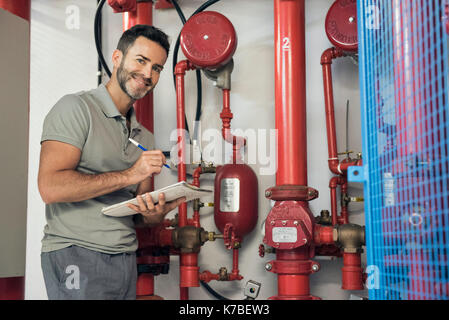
[182, 66]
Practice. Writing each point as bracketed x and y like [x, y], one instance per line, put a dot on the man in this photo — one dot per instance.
[88, 163]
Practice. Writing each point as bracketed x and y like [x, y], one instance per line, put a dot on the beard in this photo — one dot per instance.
[125, 77]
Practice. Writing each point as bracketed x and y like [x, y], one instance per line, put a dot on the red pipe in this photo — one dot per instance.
[290, 92]
[226, 116]
[145, 285]
[292, 266]
[334, 181]
[323, 234]
[294, 285]
[143, 107]
[129, 19]
[335, 165]
[188, 261]
[196, 182]
[21, 8]
[352, 273]
[326, 62]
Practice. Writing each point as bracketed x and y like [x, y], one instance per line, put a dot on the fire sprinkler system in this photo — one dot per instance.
[294, 234]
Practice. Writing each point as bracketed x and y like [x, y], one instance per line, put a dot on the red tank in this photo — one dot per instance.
[236, 198]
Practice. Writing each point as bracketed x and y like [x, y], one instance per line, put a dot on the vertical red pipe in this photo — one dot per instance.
[226, 117]
[290, 91]
[183, 291]
[129, 19]
[189, 275]
[14, 288]
[294, 285]
[144, 113]
[144, 106]
[290, 108]
[326, 62]
[352, 272]
[145, 285]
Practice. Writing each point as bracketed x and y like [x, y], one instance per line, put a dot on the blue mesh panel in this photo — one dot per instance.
[403, 58]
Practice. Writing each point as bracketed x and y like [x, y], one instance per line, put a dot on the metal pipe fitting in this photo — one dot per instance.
[189, 239]
[351, 237]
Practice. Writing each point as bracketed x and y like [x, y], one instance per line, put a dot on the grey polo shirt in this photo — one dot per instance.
[91, 122]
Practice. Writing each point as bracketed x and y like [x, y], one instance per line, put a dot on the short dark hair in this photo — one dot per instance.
[141, 30]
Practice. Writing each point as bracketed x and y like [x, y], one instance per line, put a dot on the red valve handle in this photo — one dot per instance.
[262, 251]
[229, 236]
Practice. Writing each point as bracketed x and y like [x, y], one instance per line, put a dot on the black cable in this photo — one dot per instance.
[97, 35]
[99, 68]
[179, 11]
[212, 291]
[183, 20]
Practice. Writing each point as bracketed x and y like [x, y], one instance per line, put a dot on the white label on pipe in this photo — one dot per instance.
[285, 234]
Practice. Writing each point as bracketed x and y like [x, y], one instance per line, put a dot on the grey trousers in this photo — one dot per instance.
[76, 273]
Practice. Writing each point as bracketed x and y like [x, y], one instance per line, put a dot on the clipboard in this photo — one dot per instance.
[172, 192]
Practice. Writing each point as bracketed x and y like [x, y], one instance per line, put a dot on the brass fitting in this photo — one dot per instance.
[197, 204]
[351, 237]
[223, 273]
[189, 238]
[211, 236]
[324, 218]
[208, 169]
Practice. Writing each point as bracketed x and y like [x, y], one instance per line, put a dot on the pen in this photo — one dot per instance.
[134, 142]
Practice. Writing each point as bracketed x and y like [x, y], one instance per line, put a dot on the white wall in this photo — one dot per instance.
[64, 61]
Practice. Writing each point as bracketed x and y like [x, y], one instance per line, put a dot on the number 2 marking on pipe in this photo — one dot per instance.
[286, 43]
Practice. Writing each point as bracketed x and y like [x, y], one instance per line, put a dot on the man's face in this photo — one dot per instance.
[140, 69]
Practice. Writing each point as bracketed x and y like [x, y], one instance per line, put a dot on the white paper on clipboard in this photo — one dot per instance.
[172, 192]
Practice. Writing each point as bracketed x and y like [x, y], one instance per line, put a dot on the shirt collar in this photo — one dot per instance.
[110, 110]
[107, 105]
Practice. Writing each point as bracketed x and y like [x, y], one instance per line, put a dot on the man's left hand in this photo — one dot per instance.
[154, 214]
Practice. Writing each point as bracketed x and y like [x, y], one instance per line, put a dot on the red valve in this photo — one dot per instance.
[229, 236]
[262, 251]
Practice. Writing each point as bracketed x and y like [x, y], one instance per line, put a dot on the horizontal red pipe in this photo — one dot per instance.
[323, 234]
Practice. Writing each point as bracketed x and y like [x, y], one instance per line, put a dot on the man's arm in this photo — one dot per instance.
[58, 180]
[144, 186]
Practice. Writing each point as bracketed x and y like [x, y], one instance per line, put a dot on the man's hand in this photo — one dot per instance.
[149, 163]
[154, 214]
